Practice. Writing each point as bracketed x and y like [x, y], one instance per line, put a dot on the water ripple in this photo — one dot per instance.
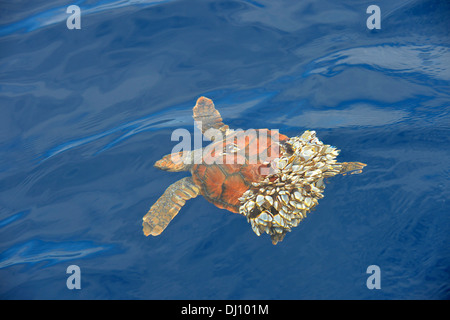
[356, 115]
[13, 218]
[35, 251]
[425, 59]
[58, 15]
[170, 118]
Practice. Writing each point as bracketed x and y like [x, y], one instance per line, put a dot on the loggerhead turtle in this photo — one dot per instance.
[273, 180]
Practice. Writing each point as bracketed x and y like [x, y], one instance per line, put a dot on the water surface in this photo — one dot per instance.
[85, 114]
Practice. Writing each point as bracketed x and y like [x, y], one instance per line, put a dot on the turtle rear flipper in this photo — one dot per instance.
[352, 167]
[206, 117]
[168, 205]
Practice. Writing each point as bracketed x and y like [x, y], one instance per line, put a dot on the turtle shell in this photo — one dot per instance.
[230, 166]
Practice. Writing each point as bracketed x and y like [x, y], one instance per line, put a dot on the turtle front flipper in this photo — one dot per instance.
[175, 162]
[206, 117]
[168, 205]
[352, 167]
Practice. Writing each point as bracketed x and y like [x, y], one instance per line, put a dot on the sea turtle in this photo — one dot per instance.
[273, 180]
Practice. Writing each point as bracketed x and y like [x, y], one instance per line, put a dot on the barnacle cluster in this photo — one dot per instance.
[280, 201]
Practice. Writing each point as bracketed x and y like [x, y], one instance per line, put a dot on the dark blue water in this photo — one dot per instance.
[85, 114]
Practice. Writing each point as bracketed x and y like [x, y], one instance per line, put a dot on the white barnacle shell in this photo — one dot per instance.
[313, 173]
[265, 216]
[319, 164]
[294, 222]
[308, 201]
[276, 205]
[298, 196]
[329, 149]
[260, 221]
[296, 145]
[269, 199]
[297, 214]
[279, 220]
[305, 136]
[307, 153]
[320, 184]
[286, 209]
[289, 165]
[250, 205]
[295, 178]
[260, 200]
[285, 215]
[315, 189]
[247, 193]
[281, 164]
[300, 206]
[256, 229]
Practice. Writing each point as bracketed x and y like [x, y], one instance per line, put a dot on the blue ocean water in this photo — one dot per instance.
[85, 113]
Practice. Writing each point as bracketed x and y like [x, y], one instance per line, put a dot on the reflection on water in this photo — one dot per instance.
[432, 61]
[58, 14]
[170, 118]
[356, 115]
[36, 251]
